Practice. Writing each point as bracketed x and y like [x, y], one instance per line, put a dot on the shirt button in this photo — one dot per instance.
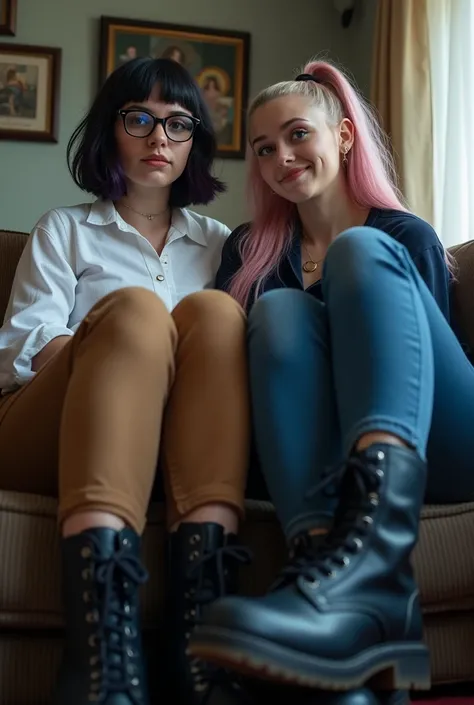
[160, 277]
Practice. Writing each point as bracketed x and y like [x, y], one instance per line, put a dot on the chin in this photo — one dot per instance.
[301, 196]
[155, 181]
[300, 193]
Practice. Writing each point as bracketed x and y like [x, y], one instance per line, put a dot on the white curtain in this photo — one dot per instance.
[451, 42]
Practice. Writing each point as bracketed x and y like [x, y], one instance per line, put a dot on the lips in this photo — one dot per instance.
[293, 174]
[156, 158]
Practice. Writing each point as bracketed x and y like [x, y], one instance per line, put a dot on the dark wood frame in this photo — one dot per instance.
[54, 83]
[8, 18]
[108, 24]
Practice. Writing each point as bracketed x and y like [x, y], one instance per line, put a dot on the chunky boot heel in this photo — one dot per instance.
[348, 611]
[103, 659]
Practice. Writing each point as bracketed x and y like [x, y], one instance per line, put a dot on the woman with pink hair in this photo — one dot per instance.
[354, 370]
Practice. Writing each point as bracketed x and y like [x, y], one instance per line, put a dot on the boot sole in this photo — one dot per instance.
[391, 666]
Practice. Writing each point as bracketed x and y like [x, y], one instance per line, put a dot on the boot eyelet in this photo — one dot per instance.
[346, 561]
[195, 538]
[87, 574]
[87, 596]
[374, 498]
[125, 542]
[380, 455]
[135, 682]
[192, 613]
[93, 661]
[367, 520]
[187, 635]
[127, 609]
[380, 473]
[95, 675]
[193, 555]
[92, 617]
[86, 552]
[92, 640]
[332, 574]
[358, 544]
[130, 653]
[127, 631]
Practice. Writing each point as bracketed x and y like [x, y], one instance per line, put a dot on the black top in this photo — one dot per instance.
[416, 234]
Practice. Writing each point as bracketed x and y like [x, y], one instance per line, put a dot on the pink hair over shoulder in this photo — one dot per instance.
[370, 173]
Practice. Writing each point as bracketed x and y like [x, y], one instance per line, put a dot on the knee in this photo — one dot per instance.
[133, 318]
[280, 322]
[359, 246]
[214, 312]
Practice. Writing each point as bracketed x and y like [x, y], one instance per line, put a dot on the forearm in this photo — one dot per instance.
[48, 351]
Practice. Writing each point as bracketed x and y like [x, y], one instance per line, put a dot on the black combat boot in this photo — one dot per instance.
[103, 660]
[349, 611]
[202, 565]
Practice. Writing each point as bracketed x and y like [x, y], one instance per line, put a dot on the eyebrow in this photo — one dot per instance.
[282, 127]
[177, 111]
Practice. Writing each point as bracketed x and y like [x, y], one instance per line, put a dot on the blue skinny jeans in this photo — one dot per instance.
[377, 355]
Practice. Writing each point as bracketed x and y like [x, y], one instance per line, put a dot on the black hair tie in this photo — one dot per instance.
[306, 77]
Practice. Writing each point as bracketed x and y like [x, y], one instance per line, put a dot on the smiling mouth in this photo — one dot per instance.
[293, 174]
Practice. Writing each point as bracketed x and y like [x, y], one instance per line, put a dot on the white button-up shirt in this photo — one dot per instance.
[75, 256]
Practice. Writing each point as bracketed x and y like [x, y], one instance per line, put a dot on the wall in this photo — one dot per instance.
[34, 177]
[354, 44]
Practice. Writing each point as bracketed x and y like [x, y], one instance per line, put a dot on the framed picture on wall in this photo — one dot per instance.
[217, 59]
[29, 92]
[8, 17]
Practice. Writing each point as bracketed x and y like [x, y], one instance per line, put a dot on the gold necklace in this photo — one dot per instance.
[310, 265]
[149, 216]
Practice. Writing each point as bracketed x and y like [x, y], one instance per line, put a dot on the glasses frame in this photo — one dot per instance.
[158, 121]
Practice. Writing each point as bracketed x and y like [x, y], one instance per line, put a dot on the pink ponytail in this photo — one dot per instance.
[370, 174]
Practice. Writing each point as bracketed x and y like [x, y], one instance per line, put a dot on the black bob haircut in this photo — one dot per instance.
[92, 151]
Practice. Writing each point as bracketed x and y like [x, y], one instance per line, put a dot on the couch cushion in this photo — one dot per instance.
[463, 300]
[11, 247]
[29, 559]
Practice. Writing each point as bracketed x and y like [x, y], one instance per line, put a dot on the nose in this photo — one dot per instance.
[158, 136]
[284, 155]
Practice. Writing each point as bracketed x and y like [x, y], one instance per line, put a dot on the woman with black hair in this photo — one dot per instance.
[114, 359]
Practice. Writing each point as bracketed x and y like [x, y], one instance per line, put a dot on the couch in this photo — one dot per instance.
[31, 622]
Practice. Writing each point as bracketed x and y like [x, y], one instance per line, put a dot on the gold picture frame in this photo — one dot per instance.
[29, 92]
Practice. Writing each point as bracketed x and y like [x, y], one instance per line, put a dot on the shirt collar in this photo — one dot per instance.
[182, 222]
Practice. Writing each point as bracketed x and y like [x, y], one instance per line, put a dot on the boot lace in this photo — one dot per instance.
[358, 482]
[208, 578]
[115, 662]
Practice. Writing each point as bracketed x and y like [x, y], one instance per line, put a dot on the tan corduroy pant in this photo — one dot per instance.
[136, 383]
